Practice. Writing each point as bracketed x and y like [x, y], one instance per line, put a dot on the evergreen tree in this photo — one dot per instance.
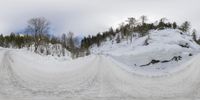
[174, 25]
[162, 24]
[1, 40]
[144, 19]
[185, 27]
[194, 36]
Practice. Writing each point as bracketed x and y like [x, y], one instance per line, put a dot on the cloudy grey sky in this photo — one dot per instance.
[92, 16]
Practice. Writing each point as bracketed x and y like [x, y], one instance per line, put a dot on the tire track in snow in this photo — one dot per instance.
[104, 79]
[15, 83]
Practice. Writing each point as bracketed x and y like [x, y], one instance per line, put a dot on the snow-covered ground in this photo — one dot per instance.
[161, 45]
[111, 72]
[92, 77]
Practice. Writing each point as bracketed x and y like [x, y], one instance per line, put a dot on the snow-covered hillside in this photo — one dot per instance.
[159, 52]
[161, 66]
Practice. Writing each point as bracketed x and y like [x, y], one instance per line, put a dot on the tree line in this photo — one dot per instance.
[132, 25]
[37, 34]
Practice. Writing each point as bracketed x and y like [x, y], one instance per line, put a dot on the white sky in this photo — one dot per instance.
[92, 16]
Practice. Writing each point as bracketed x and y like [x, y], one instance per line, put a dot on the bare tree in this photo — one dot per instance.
[70, 41]
[132, 22]
[122, 29]
[71, 45]
[39, 27]
[64, 40]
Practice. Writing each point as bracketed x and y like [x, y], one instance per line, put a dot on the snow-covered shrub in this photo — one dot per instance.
[51, 49]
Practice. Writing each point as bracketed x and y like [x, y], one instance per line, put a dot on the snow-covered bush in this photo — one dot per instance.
[51, 49]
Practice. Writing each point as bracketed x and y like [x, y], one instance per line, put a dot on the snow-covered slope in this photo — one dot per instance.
[158, 40]
[159, 52]
[95, 77]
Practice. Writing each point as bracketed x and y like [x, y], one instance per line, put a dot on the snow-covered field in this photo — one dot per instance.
[111, 72]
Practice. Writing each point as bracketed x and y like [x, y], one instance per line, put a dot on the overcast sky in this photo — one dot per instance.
[92, 16]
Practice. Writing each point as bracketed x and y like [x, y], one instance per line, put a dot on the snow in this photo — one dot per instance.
[162, 45]
[92, 77]
[55, 50]
[111, 72]
[159, 40]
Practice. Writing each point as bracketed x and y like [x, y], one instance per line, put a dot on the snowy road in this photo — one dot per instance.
[97, 77]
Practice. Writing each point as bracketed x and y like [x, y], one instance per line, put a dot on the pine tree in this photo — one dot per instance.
[174, 25]
[1, 40]
[194, 36]
[185, 27]
[144, 19]
[162, 24]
